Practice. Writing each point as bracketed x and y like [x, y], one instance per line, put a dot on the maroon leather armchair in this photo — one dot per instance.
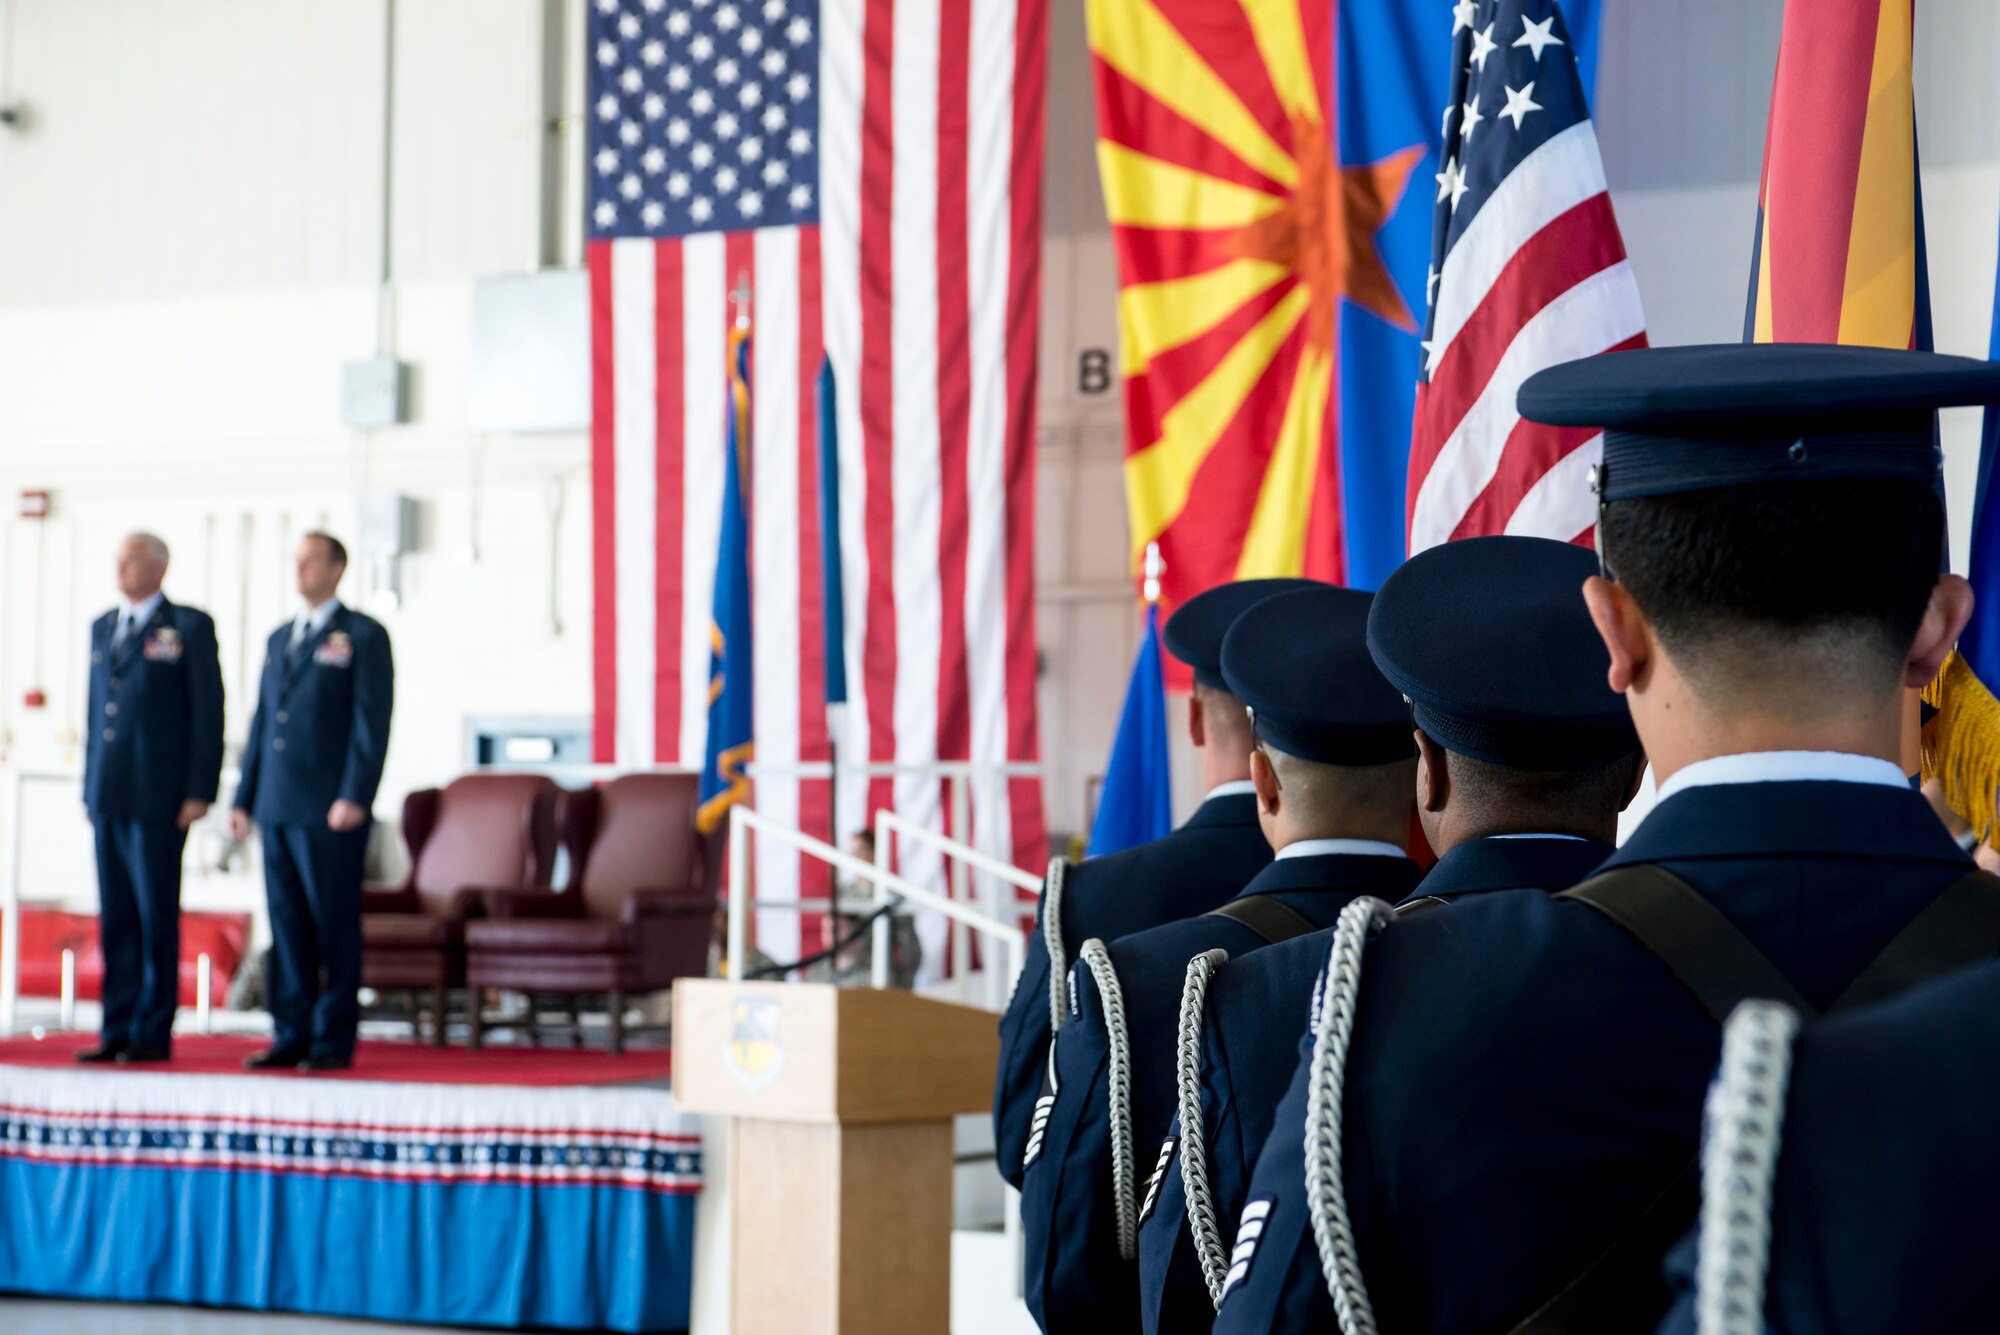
[633, 917]
[478, 833]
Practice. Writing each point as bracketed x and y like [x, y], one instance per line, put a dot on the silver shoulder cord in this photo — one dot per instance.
[1052, 888]
[1202, 1226]
[1326, 1199]
[1118, 1095]
[1739, 1159]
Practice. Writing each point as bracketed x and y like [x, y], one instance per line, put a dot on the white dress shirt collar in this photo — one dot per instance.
[314, 619]
[1574, 838]
[1234, 788]
[142, 611]
[1786, 767]
[1354, 848]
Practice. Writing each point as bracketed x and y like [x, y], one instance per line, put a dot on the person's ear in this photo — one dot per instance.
[1433, 776]
[1950, 608]
[1622, 627]
[1265, 780]
[1197, 719]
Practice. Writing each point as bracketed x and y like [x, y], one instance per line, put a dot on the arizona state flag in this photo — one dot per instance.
[1839, 249]
[730, 659]
[1269, 170]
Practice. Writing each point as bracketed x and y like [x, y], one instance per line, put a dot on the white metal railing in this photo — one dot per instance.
[963, 857]
[12, 782]
[976, 796]
[742, 821]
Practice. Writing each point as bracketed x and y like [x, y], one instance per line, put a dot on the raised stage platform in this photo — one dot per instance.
[504, 1188]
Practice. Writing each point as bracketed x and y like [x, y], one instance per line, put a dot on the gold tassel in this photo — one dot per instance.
[1961, 746]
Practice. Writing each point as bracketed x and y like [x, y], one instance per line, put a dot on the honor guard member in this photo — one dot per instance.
[310, 770]
[152, 758]
[1333, 771]
[1201, 864]
[1523, 1158]
[1525, 757]
[1850, 1178]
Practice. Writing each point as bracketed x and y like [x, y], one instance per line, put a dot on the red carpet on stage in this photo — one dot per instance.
[413, 1063]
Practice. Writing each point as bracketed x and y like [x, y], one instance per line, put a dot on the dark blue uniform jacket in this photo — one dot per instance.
[1525, 1077]
[153, 736]
[1886, 1204]
[1198, 866]
[321, 730]
[1255, 1014]
[1075, 1280]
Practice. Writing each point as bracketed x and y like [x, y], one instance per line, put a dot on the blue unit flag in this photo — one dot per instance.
[731, 661]
[1135, 805]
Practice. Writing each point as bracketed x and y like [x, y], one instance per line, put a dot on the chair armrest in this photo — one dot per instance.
[378, 898]
[642, 904]
[515, 903]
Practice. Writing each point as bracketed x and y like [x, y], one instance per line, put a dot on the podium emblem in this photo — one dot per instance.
[754, 1056]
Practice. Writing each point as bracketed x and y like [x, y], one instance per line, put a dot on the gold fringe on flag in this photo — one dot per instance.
[1961, 745]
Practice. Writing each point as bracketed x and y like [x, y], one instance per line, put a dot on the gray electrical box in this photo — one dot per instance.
[530, 352]
[375, 393]
[385, 525]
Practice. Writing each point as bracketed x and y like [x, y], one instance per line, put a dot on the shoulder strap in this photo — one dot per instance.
[1410, 908]
[1625, 1287]
[1707, 953]
[1959, 928]
[1272, 919]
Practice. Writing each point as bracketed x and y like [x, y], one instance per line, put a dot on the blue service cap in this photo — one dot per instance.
[1727, 414]
[1194, 632]
[1299, 662]
[1491, 642]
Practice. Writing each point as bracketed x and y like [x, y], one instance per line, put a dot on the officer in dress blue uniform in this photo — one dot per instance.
[1521, 1157]
[1885, 1203]
[1201, 864]
[152, 758]
[311, 766]
[1525, 757]
[1334, 776]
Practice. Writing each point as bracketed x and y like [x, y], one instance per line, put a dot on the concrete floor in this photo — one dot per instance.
[35, 1316]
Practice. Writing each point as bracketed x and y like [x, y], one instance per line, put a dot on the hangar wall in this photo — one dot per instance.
[191, 231]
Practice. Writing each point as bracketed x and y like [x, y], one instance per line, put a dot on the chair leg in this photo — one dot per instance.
[534, 1021]
[575, 1003]
[475, 1027]
[438, 995]
[410, 998]
[616, 1004]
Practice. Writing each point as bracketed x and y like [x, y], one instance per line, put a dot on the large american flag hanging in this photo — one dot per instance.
[1527, 270]
[871, 169]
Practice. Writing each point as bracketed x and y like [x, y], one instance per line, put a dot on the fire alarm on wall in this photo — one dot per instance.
[34, 505]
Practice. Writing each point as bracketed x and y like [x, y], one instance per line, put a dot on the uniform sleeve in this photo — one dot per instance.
[204, 684]
[1024, 1046]
[88, 733]
[368, 742]
[253, 749]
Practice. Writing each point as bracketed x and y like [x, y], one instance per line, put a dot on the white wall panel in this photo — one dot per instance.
[189, 146]
[211, 146]
[468, 137]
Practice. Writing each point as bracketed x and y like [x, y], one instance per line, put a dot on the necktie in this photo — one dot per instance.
[298, 642]
[124, 631]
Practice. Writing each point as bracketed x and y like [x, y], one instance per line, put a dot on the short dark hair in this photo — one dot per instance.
[336, 550]
[1546, 799]
[1735, 579]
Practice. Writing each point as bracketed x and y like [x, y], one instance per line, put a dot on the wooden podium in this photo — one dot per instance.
[840, 1103]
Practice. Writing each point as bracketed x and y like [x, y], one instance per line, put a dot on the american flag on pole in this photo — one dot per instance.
[871, 169]
[1527, 270]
